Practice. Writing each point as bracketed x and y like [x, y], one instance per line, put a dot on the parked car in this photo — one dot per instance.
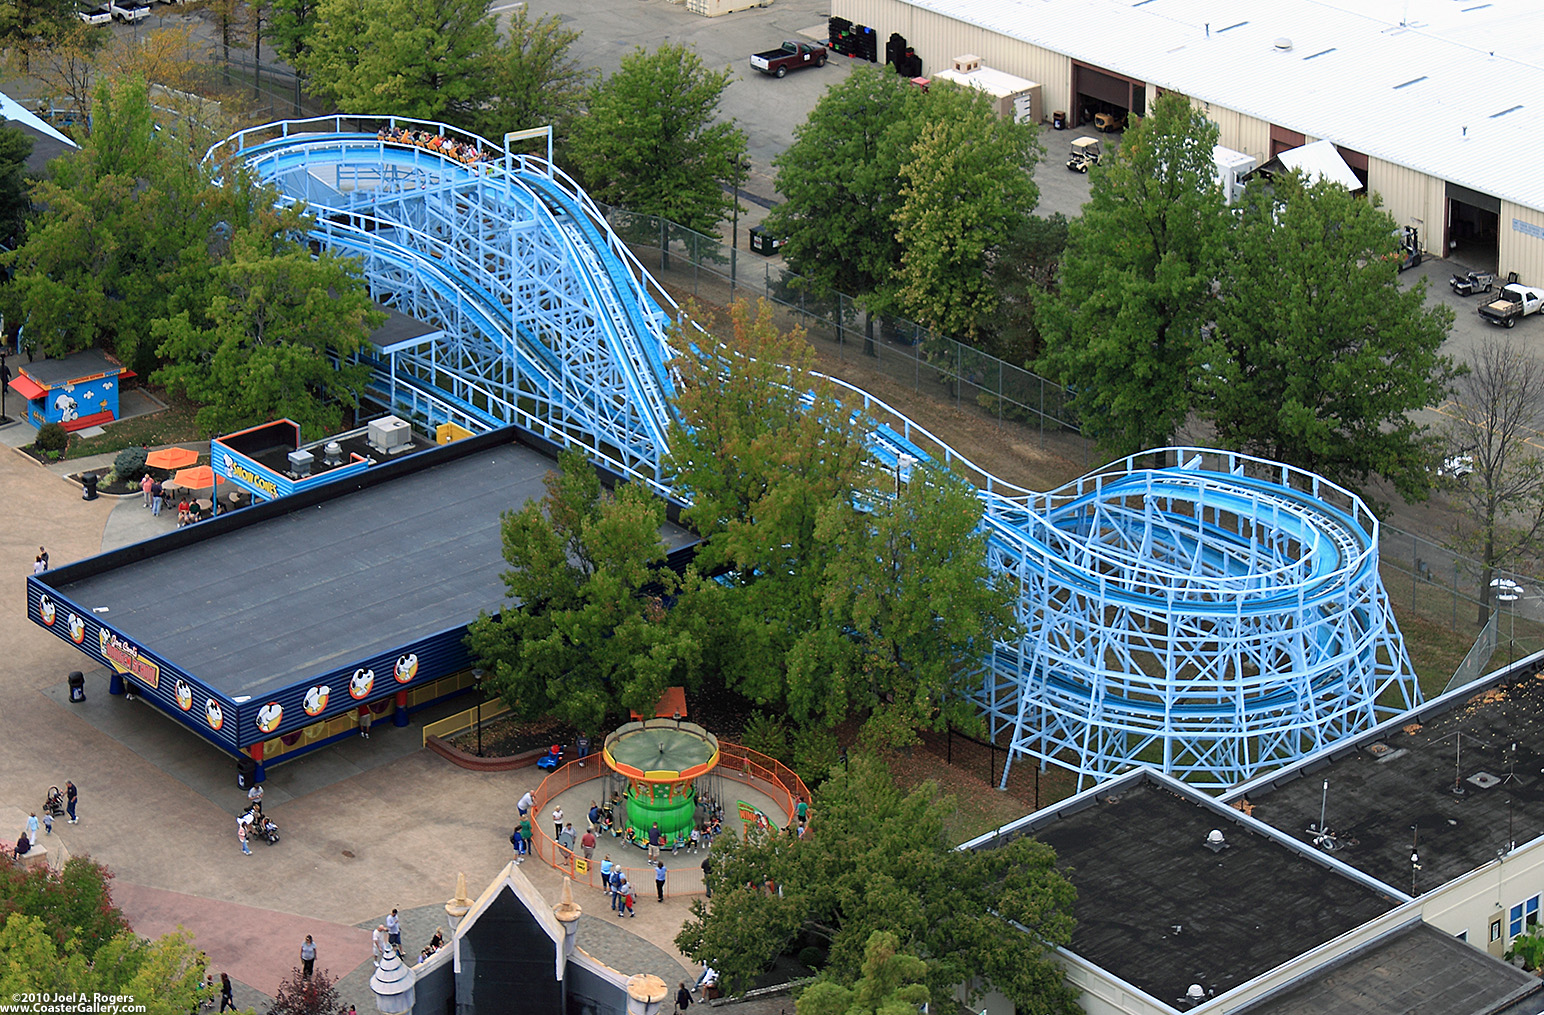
[1472, 282]
[128, 11]
[95, 15]
[1515, 301]
[1457, 466]
[790, 56]
[1086, 151]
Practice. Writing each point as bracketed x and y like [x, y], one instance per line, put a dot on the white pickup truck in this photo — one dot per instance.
[129, 11]
[1515, 301]
[102, 15]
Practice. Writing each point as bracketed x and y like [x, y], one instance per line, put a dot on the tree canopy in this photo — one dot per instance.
[965, 191]
[892, 984]
[1322, 355]
[841, 183]
[60, 932]
[584, 632]
[877, 859]
[652, 141]
[1127, 328]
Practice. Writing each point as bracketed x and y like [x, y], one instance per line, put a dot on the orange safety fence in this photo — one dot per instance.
[737, 764]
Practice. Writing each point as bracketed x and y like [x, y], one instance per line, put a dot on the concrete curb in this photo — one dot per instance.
[456, 756]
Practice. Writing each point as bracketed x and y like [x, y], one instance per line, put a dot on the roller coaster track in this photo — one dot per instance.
[1215, 615]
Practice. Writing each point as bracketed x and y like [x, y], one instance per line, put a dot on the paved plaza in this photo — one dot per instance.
[366, 826]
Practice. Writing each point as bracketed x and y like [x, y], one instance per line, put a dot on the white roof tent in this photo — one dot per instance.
[1448, 89]
[1317, 161]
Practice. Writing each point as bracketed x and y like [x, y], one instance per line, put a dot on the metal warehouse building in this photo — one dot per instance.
[1438, 105]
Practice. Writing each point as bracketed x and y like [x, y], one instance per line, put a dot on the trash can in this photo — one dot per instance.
[1059, 119]
[77, 682]
[763, 242]
[88, 486]
[246, 769]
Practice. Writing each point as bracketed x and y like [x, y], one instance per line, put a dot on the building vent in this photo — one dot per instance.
[1283, 45]
[332, 454]
[967, 63]
[1215, 842]
[1230, 28]
[390, 434]
[1484, 780]
[1196, 992]
[1321, 52]
[1412, 81]
[300, 463]
[1505, 112]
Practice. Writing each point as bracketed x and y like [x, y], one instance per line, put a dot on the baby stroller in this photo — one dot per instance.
[53, 805]
[260, 825]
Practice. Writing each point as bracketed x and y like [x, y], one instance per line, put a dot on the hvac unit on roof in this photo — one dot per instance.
[300, 463]
[332, 454]
[1215, 842]
[966, 63]
[390, 434]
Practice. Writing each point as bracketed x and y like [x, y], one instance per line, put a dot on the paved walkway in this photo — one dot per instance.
[379, 836]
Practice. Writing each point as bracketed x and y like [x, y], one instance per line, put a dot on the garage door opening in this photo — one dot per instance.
[1473, 228]
[1099, 92]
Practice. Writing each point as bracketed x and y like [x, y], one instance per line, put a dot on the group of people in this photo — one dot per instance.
[40, 563]
[154, 492]
[54, 803]
[462, 152]
[389, 935]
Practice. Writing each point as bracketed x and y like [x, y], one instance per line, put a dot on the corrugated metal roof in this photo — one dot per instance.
[1452, 88]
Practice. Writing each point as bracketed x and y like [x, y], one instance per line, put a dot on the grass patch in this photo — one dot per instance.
[978, 807]
[173, 425]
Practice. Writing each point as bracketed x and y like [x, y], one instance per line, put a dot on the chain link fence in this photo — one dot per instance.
[902, 351]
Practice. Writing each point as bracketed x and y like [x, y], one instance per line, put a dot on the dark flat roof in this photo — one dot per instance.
[1391, 780]
[1160, 910]
[268, 605]
[85, 363]
[399, 327]
[1416, 969]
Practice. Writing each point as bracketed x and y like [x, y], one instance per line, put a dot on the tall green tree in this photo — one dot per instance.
[15, 204]
[1322, 355]
[892, 984]
[879, 860]
[909, 609]
[652, 140]
[964, 192]
[1023, 276]
[534, 79]
[420, 58]
[584, 633]
[841, 183]
[1126, 329]
[290, 25]
[125, 228]
[29, 25]
[759, 463]
[272, 333]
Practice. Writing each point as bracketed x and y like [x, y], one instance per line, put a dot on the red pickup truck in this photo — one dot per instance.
[789, 56]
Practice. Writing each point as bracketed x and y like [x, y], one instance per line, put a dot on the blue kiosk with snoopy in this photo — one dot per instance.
[78, 391]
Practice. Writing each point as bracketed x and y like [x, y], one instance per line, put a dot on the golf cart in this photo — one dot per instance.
[1085, 153]
[1471, 282]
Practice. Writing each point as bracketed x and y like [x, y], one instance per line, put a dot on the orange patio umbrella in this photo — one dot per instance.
[171, 458]
[200, 478]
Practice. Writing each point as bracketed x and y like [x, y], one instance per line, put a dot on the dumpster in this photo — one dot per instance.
[763, 242]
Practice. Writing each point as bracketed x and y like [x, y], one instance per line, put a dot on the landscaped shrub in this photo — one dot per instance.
[52, 437]
[130, 464]
[815, 751]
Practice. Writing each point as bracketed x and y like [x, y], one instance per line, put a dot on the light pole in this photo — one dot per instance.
[739, 165]
[5, 382]
[477, 678]
[1508, 591]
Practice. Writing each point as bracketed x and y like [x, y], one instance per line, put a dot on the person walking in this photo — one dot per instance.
[241, 834]
[378, 943]
[145, 484]
[605, 879]
[683, 997]
[654, 839]
[707, 873]
[617, 878]
[527, 802]
[227, 993]
[70, 795]
[394, 931]
[48, 823]
[587, 843]
[659, 880]
[157, 494]
[43, 556]
[307, 956]
[37, 565]
[32, 826]
[518, 842]
[557, 822]
[594, 816]
[629, 897]
[803, 810]
[582, 746]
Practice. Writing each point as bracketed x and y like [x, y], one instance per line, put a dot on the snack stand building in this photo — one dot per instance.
[276, 627]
